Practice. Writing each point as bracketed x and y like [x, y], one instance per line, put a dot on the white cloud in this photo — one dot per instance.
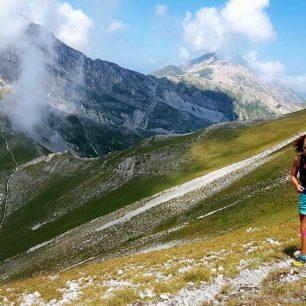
[74, 27]
[211, 29]
[275, 71]
[204, 32]
[249, 19]
[268, 71]
[11, 25]
[116, 26]
[68, 24]
[160, 10]
[183, 53]
[28, 100]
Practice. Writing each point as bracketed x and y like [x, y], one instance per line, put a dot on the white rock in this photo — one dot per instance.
[185, 269]
[141, 294]
[120, 271]
[271, 241]
[164, 296]
[149, 293]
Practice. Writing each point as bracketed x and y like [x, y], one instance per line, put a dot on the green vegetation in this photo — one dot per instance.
[268, 184]
[80, 191]
[168, 71]
[206, 73]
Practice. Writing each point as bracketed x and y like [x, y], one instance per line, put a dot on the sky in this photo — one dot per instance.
[145, 35]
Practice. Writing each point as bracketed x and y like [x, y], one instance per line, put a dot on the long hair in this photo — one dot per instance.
[298, 144]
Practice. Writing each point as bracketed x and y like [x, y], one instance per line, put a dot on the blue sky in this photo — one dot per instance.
[147, 42]
[267, 36]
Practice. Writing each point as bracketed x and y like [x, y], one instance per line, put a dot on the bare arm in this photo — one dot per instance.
[294, 171]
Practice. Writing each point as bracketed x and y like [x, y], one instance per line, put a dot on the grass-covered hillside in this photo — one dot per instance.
[61, 193]
[243, 258]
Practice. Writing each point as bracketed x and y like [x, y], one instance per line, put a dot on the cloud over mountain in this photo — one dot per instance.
[70, 25]
[275, 71]
[30, 43]
[211, 29]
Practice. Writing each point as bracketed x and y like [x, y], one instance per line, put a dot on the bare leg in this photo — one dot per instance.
[303, 233]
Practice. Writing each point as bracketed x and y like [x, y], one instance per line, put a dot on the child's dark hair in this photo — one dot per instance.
[298, 144]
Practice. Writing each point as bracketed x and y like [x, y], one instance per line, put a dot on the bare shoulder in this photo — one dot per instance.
[297, 159]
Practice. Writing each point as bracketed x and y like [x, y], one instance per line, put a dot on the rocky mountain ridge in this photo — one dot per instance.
[96, 106]
[252, 97]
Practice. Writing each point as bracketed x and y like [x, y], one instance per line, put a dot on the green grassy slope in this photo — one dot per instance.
[265, 196]
[268, 206]
[24, 150]
[82, 191]
[168, 71]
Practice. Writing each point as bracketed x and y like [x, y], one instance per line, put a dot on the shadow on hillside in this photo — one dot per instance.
[289, 250]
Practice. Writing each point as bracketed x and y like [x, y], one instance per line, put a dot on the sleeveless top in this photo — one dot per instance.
[302, 170]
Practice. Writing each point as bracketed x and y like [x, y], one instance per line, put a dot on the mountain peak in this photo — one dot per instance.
[169, 70]
[204, 59]
[207, 57]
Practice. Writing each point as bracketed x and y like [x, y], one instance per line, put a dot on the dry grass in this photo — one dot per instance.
[122, 297]
[158, 270]
[197, 275]
[4, 92]
[171, 287]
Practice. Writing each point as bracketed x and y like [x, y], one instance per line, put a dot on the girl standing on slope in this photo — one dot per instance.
[299, 166]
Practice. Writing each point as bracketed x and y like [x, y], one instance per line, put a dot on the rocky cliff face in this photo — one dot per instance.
[251, 97]
[96, 106]
[109, 94]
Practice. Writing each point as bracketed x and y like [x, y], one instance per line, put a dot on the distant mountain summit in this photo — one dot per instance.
[169, 70]
[96, 107]
[205, 59]
[252, 97]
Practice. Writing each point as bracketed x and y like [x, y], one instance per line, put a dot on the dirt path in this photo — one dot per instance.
[8, 181]
[235, 171]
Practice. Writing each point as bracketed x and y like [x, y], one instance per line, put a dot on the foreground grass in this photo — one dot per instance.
[145, 277]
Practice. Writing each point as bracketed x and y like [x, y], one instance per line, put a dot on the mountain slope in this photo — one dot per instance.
[252, 98]
[72, 192]
[168, 71]
[230, 252]
[96, 107]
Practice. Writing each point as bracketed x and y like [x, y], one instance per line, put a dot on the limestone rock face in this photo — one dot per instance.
[252, 98]
[95, 107]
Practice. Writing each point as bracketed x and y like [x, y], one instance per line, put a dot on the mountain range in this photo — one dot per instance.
[252, 97]
[96, 107]
[122, 164]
